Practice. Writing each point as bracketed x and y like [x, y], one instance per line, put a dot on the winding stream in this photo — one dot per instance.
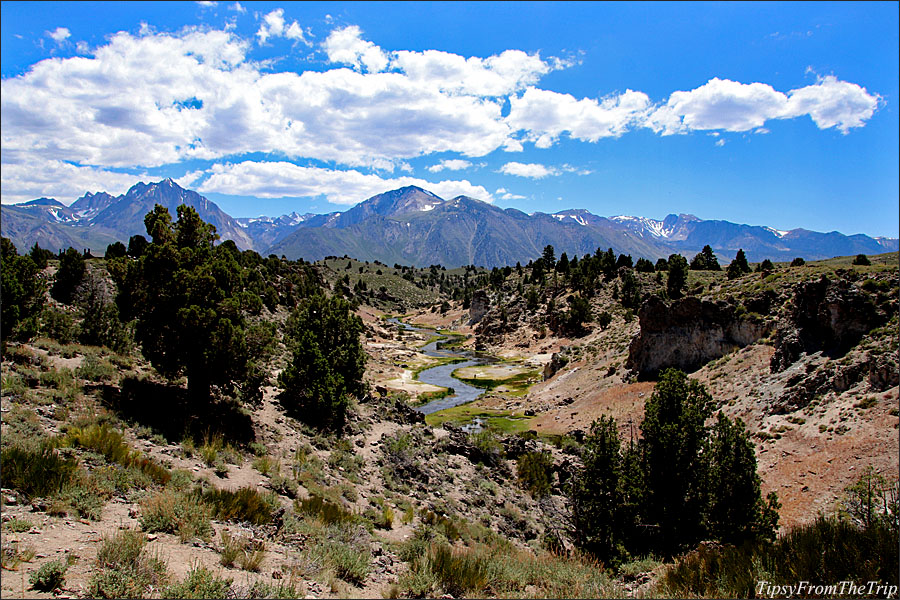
[441, 375]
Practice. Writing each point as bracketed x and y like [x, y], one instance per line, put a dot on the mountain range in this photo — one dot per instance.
[414, 226]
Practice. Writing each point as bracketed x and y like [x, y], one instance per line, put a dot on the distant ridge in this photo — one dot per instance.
[411, 225]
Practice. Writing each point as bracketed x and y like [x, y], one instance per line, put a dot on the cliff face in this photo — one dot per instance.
[688, 333]
[825, 315]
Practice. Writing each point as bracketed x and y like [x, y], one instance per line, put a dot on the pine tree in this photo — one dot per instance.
[68, 276]
[22, 293]
[328, 362]
[678, 272]
[597, 494]
[676, 449]
[186, 297]
[738, 266]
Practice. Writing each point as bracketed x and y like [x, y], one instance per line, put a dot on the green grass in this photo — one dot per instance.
[35, 472]
[245, 504]
[501, 421]
[500, 570]
[200, 583]
[124, 568]
[176, 512]
[824, 552]
[517, 384]
[112, 445]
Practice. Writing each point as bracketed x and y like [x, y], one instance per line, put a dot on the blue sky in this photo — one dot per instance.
[779, 114]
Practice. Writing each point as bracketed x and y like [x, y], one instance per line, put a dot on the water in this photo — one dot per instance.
[441, 375]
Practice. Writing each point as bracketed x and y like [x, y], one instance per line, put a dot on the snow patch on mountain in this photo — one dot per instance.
[640, 225]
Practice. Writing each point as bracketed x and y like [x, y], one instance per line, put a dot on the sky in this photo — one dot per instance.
[777, 114]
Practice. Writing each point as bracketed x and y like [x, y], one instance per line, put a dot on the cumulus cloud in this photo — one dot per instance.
[499, 75]
[452, 164]
[530, 170]
[732, 106]
[833, 103]
[719, 104]
[505, 194]
[273, 25]
[196, 95]
[544, 115]
[345, 45]
[24, 180]
[59, 35]
[287, 180]
[238, 8]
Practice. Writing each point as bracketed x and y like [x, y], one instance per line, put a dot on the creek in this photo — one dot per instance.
[442, 375]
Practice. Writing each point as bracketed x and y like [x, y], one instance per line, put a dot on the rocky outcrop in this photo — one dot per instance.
[688, 333]
[806, 382]
[824, 315]
[557, 361]
[497, 322]
[479, 306]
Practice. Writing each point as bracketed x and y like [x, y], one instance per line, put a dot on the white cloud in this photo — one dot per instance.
[720, 142]
[578, 170]
[544, 115]
[511, 196]
[272, 25]
[346, 46]
[719, 104]
[294, 32]
[833, 103]
[196, 95]
[451, 164]
[189, 178]
[71, 109]
[531, 170]
[498, 75]
[238, 8]
[207, 3]
[59, 35]
[732, 106]
[24, 180]
[287, 180]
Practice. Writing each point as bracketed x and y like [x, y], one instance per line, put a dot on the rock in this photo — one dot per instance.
[404, 414]
[557, 361]
[883, 372]
[576, 434]
[688, 333]
[824, 315]
[151, 537]
[478, 307]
